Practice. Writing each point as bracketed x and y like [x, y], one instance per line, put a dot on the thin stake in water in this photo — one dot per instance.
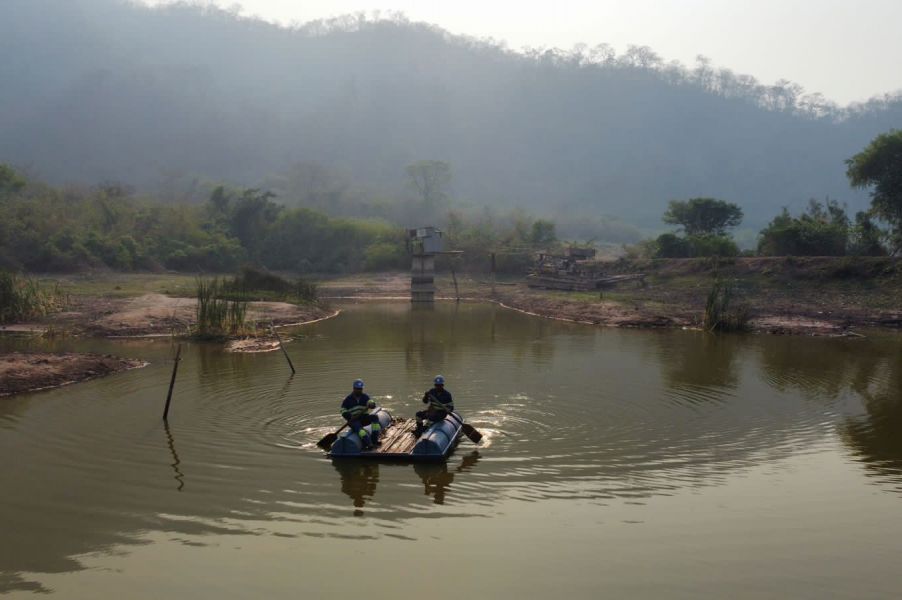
[456, 290]
[272, 326]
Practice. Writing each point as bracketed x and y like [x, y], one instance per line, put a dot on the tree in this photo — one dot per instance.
[251, 217]
[703, 216]
[430, 178]
[879, 166]
[823, 230]
[10, 181]
[865, 237]
[542, 233]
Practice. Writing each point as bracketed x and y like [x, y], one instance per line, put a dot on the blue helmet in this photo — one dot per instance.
[439, 380]
[358, 384]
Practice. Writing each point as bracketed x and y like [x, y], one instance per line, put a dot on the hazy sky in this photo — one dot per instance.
[847, 49]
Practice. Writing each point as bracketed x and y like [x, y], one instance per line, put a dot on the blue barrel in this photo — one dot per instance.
[349, 443]
[439, 439]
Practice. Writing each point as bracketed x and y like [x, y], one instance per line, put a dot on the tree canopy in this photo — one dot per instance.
[879, 166]
[703, 216]
[430, 179]
[822, 230]
[10, 180]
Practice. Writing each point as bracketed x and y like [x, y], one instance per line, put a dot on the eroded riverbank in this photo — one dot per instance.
[30, 372]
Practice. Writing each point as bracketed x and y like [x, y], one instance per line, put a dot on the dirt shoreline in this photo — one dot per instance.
[156, 314]
[26, 372]
[822, 296]
[787, 295]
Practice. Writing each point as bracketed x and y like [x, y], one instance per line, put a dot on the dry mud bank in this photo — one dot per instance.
[158, 314]
[26, 372]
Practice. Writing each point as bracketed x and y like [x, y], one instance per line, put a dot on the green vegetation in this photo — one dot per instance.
[217, 316]
[430, 180]
[879, 166]
[705, 222]
[824, 229]
[253, 284]
[49, 229]
[721, 311]
[670, 245]
[10, 181]
[23, 298]
[113, 284]
[703, 216]
[512, 238]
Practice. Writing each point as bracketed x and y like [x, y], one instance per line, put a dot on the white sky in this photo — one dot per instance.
[846, 49]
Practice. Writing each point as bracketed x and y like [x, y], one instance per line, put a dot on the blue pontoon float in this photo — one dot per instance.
[400, 442]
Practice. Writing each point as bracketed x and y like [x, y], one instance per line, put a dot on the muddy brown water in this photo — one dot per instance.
[641, 464]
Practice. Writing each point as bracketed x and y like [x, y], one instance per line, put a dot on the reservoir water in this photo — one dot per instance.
[615, 463]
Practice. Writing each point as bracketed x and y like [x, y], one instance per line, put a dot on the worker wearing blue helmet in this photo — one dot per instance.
[439, 401]
[355, 409]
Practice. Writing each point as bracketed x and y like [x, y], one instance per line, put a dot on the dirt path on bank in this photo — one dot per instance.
[25, 372]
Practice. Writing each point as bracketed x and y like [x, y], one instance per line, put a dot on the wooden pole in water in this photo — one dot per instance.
[456, 291]
[493, 274]
[272, 326]
[175, 369]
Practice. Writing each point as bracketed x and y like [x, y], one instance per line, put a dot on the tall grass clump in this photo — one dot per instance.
[23, 298]
[218, 316]
[721, 311]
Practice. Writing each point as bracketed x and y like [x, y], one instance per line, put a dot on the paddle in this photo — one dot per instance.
[327, 441]
[468, 429]
[330, 438]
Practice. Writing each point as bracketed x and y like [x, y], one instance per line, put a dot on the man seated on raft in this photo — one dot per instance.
[355, 410]
[440, 404]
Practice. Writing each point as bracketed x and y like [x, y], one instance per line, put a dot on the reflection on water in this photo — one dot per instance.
[437, 478]
[571, 414]
[876, 438]
[179, 476]
[358, 480]
[701, 371]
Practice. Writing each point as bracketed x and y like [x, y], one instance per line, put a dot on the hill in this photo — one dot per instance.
[98, 90]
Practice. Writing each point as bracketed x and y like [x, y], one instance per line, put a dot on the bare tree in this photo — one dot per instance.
[430, 179]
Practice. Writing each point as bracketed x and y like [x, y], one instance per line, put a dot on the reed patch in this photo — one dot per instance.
[23, 298]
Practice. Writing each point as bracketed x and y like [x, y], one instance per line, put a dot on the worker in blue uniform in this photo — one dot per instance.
[355, 409]
[440, 404]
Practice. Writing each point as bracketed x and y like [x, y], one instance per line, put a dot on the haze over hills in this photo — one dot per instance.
[98, 90]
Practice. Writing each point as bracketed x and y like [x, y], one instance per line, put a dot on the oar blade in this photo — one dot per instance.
[327, 441]
[471, 433]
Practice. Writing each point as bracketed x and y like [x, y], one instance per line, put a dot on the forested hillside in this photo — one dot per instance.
[332, 113]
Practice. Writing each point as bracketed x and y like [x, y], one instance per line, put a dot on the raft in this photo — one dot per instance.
[399, 442]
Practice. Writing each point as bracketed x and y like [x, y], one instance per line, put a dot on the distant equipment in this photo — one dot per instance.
[576, 271]
[424, 244]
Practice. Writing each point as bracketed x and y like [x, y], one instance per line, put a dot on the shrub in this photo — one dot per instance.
[823, 230]
[670, 245]
[721, 312]
[23, 298]
[256, 284]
